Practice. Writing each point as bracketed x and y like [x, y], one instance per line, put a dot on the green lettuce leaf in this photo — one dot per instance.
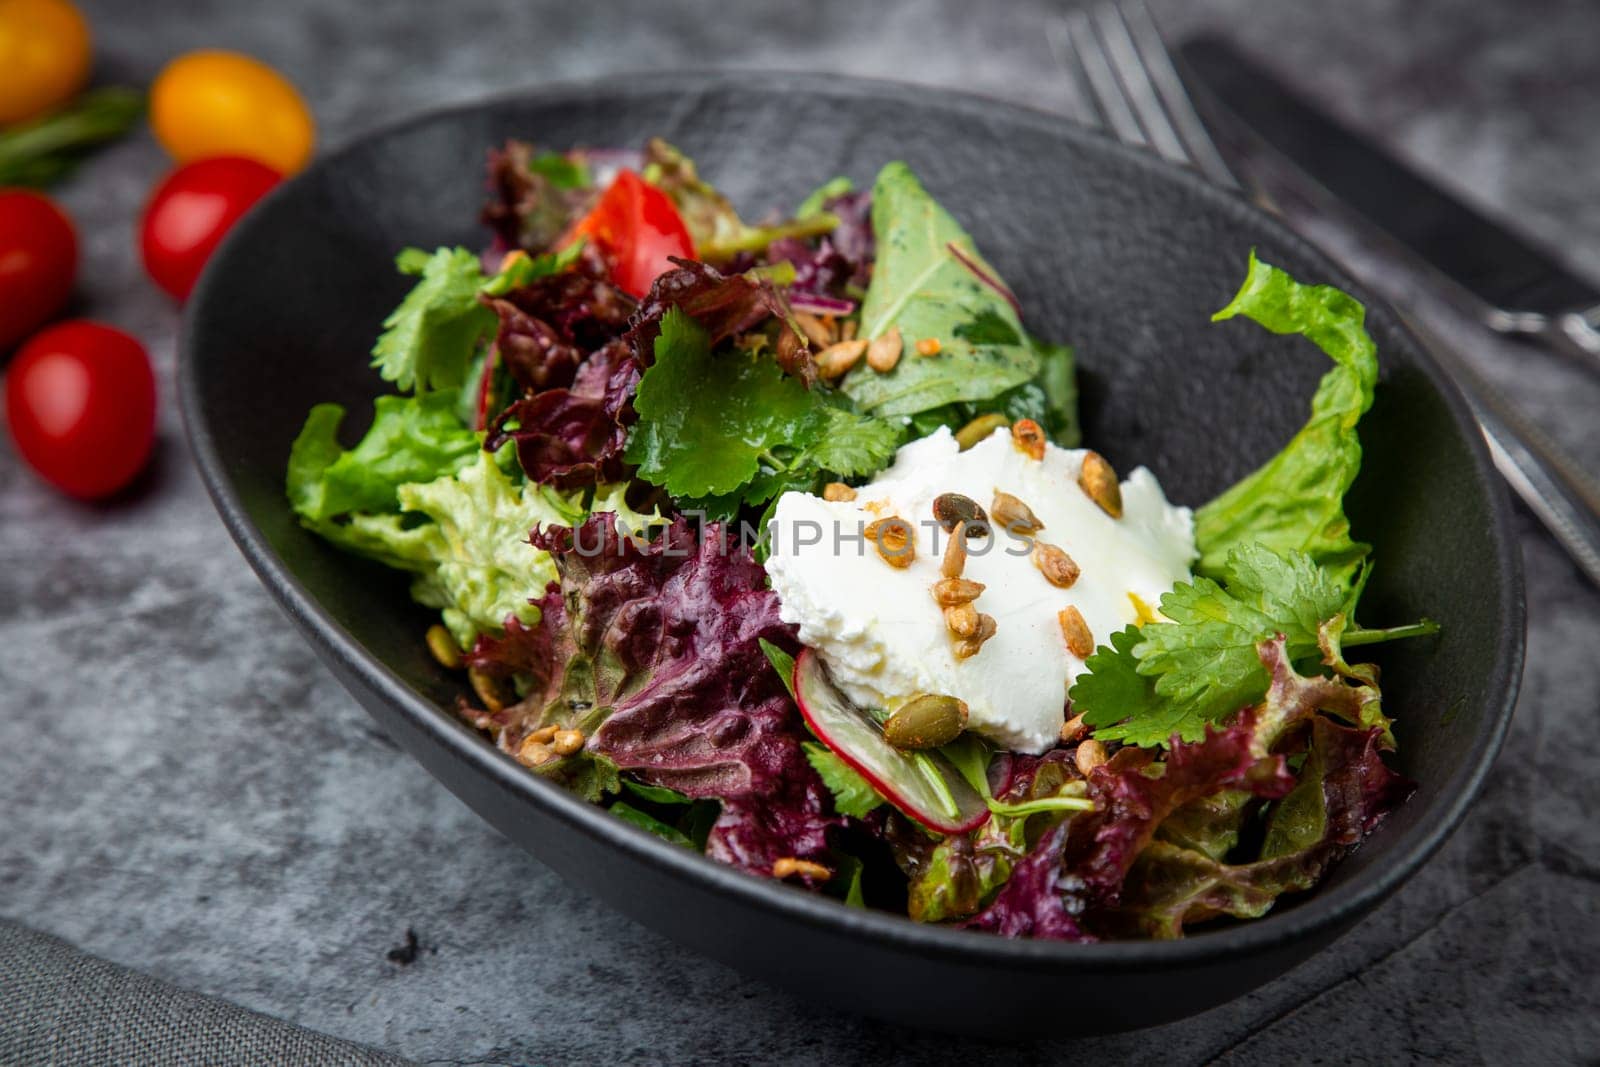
[412, 439]
[931, 282]
[1296, 501]
[429, 340]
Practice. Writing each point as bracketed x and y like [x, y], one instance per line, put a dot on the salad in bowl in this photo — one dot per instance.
[778, 540]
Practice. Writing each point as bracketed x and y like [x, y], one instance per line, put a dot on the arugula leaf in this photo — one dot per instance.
[853, 795]
[656, 794]
[429, 340]
[412, 439]
[1175, 677]
[695, 448]
[930, 281]
[1295, 502]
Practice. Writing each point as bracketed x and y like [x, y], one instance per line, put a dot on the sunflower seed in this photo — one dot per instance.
[1080, 642]
[837, 492]
[443, 647]
[884, 351]
[1090, 754]
[1058, 568]
[566, 742]
[817, 332]
[836, 359]
[961, 620]
[971, 646]
[1013, 515]
[1099, 480]
[892, 538]
[929, 346]
[788, 867]
[948, 592]
[1028, 437]
[955, 553]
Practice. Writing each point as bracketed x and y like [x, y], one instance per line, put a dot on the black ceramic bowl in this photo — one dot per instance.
[1107, 248]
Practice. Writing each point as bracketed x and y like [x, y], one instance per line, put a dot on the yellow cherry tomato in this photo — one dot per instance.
[213, 103]
[44, 57]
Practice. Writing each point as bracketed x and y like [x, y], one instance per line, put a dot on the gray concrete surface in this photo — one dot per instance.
[184, 789]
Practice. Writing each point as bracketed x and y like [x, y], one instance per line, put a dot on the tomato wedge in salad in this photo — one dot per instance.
[637, 229]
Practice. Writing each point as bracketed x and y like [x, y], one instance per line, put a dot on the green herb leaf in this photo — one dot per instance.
[46, 150]
[930, 281]
[656, 794]
[1175, 677]
[852, 445]
[853, 795]
[524, 269]
[707, 424]
[645, 821]
[819, 197]
[1295, 503]
[429, 340]
[781, 662]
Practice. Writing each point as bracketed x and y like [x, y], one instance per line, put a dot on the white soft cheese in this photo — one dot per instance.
[884, 639]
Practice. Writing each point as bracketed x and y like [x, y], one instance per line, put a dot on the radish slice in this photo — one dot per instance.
[924, 785]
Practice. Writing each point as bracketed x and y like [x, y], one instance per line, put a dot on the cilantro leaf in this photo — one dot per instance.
[852, 445]
[1174, 677]
[1295, 502]
[428, 341]
[853, 795]
[707, 423]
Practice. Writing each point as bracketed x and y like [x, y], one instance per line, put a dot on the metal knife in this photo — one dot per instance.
[1514, 288]
[1510, 286]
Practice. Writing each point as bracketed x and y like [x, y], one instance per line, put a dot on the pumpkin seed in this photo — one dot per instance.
[948, 592]
[443, 647]
[884, 351]
[892, 538]
[1013, 515]
[1058, 568]
[1099, 480]
[951, 508]
[980, 428]
[927, 721]
[836, 359]
[1028, 437]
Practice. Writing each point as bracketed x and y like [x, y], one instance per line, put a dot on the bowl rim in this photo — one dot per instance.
[1320, 911]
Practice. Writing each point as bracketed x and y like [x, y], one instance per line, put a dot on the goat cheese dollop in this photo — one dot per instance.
[885, 640]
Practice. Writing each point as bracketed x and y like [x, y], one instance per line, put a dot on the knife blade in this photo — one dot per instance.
[1554, 486]
[1510, 285]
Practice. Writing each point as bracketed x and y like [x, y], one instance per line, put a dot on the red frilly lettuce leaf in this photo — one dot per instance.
[665, 676]
[530, 205]
[723, 305]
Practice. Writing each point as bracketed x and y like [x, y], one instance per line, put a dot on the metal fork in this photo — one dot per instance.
[1126, 82]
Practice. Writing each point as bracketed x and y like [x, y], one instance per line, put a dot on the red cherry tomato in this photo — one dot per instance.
[636, 227]
[38, 258]
[190, 212]
[81, 405]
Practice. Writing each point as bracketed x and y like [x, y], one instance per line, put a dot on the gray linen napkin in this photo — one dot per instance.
[61, 1006]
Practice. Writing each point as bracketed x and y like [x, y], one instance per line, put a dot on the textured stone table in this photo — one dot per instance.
[184, 789]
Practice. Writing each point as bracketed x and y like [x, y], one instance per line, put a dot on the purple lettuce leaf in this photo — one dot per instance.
[1039, 899]
[530, 204]
[723, 305]
[665, 676]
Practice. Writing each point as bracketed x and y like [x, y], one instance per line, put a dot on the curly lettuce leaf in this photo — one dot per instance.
[931, 282]
[1295, 502]
[412, 439]
[429, 340]
[657, 657]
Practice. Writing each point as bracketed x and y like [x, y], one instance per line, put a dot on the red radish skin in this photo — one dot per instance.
[814, 691]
